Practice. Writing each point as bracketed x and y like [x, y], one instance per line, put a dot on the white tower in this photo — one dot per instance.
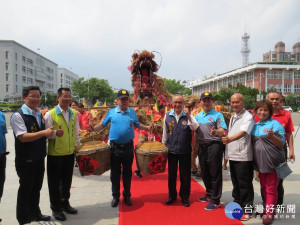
[245, 49]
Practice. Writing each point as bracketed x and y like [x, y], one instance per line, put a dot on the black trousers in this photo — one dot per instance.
[121, 157]
[211, 166]
[2, 174]
[31, 175]
[60, 174]
[241, 176]
[184, 161]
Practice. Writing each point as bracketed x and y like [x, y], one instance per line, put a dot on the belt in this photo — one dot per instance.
[205, 145]
[129, 144]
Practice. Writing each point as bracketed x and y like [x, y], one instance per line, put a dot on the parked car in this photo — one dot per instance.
[288, 108]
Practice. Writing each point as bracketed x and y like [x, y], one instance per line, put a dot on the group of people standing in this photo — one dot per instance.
[31, 131]
[249, 145]
[253, 142]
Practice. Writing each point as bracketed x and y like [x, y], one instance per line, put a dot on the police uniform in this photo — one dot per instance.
[210, 153]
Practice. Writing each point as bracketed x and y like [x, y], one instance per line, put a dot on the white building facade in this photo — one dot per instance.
[281, 77]
[21, 67]
[65, 78]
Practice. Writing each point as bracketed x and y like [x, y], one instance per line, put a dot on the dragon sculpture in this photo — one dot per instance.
[148, 86]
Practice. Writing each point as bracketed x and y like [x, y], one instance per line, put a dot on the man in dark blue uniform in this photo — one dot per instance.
[30, 145]
[211, 128]
[122, 119]
[177, 136]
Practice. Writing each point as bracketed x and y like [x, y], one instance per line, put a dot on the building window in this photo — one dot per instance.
[16, 88]
[23, 79]
[287, 75]
[249, 76]
[287, 88]
[297, 88]
[296, 75]
[6, 65]
[30, 62]
[16, 67]
[24, 69]
[16, 77]
[16, 56]
[7, 87]
[270, 74]
[7, 75]
[6, 54]
[278, 75]
[270, 87]
[278, 87]
[23, 59]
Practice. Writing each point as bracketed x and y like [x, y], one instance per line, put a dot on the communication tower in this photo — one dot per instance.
[245, 49]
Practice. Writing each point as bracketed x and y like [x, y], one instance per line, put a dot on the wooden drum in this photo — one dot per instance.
[93, 158]
[152, 157]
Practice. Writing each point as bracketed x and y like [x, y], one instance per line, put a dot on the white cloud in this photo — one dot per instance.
[194, 36]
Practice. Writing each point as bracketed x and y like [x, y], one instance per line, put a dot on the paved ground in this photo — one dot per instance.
[91, 195]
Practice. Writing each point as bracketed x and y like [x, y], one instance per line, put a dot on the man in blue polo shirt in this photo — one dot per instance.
[123, 119]
[211, 128]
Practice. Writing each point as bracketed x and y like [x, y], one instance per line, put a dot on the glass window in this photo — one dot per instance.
[270, 74]
[16, 77]
[7, 87]
[6, 54]
[287, 74]
[296, 75]
[7, 76]
[297, 87]
[6, 65]
[16, 56]
[287, 88]
[16, 67]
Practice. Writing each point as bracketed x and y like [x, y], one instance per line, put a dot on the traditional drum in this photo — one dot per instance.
[93, 158]
[152, 157]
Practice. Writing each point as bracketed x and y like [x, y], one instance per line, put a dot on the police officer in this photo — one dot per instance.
[177, 136]
[30, 145]
[122, 119]
[211, 128]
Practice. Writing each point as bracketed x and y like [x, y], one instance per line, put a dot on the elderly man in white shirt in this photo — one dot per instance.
[239, 153]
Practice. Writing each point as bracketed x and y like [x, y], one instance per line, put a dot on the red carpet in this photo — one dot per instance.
[148, 196]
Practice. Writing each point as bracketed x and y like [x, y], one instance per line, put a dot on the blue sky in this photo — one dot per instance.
[195, 38]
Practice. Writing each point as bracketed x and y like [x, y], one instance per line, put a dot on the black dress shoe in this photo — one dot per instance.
[128, 201]
[59, 216]
[69, 209]
[42, 217]
[114, 202]
[186, 203]
[170, 200]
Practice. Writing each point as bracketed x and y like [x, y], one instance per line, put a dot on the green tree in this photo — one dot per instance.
[176, 87]
[292, 100]
[224, 94]
[93, 89]
[49, 99]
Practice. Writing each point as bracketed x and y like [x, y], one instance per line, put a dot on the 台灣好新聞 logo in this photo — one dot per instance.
[233, 210]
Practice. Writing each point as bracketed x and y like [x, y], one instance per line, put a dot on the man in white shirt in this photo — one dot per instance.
[239, 153]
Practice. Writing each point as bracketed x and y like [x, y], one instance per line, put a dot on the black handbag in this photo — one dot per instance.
[283, 170]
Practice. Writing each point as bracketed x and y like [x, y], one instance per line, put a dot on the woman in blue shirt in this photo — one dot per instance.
[268, 139]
